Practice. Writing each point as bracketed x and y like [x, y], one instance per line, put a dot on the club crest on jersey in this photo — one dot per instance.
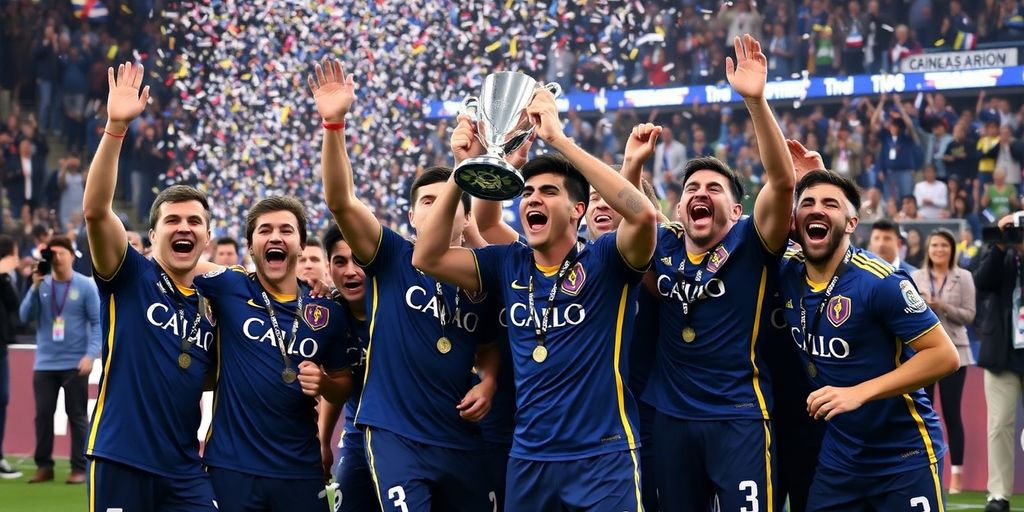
[574, 279]
[207, 311]
[476, 297]
[215, 272]
[838, 310]
[718, 258]
[315, 316]
[915, 304]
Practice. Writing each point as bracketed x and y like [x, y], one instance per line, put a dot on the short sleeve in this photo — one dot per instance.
[388, 247]
[128, 272]
[897, 302]
[216, 283]
[490, 266]
[608, 251]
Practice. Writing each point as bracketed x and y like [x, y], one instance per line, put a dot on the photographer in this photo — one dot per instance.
[999, 276]
[66, 309]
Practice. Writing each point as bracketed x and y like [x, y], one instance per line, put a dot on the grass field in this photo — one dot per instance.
[56, 496]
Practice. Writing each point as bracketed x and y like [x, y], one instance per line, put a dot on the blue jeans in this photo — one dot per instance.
[899, 183]
[46, 105]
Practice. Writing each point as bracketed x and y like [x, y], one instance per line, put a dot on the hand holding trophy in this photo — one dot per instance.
[502, 126]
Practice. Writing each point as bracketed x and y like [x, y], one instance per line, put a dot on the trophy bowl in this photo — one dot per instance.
[502, 127]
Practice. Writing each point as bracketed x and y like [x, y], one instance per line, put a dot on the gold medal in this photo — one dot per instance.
[540, 354]
[444, 345]
[184, 360]
[812, 370]
[689, 334]
[288, 375]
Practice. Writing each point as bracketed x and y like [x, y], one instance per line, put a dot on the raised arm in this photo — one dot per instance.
[486, 214]
[334, 93]
[773, 208]
[640, 145]
[433, 253]
[107, 238]
[635, 237]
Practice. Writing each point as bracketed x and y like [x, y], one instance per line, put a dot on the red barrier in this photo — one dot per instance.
[20, 436]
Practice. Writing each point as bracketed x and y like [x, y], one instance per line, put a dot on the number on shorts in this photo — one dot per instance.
[494, 500]
[397, 494]
[750, 487]
[926, 506]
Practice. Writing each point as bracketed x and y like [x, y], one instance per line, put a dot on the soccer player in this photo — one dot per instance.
[355, 484]
[418, 408]
[313, 261]
[142, 445]
[278, 350]
[575, 438]
[869, 343]
[715, 274]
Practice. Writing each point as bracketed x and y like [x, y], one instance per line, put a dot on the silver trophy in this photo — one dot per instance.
[502, 127]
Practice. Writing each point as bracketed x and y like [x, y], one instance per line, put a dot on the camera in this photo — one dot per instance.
[45, 264]
[1010, 234]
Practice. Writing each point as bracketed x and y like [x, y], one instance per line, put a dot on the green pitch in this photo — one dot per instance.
[56, 496]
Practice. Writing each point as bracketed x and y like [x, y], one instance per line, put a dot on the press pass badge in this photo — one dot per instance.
[58, 328]
[892, 153]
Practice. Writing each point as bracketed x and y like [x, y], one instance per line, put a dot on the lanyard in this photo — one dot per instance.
[186, 339]
[57, 310]
[278, 333]
[541, 328]
[698, 278]
[809, 335]
[442, 307]
[931, 285]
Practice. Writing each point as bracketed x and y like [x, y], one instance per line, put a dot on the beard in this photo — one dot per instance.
[835, 239]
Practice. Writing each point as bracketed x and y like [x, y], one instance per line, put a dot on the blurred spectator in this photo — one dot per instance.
[71, 183]
[225, 251]
[903, 45]
[1009, 154]
[781, 51]
[312, 264]
[887, 242]
[845, 153]
[898, 155]
[932, 195]
[25, 175]
[949, 290]
[915, 248]
[961, 158]
[998, 197]
[8, 319]
[935, 147]
[669, 160]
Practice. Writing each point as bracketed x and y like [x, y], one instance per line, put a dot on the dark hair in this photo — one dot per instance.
[227, 240]
[649, 192]
[314, 242]
[710, 163]
[436, 174]
[40, 230]
[332, 235]
[887, 225]
[946, 234]
[6, 246]
[276, 204]
[61, 241]
[575, 184]
[822, 176]
[177, 194]
[909, 196]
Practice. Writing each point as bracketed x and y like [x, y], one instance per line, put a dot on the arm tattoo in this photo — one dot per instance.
[632, 199]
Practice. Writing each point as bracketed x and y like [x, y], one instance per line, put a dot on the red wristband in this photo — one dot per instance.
[334, 126]
[116, 136]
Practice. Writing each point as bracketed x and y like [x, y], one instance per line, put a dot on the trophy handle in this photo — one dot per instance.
[470, 106]
[553, 88]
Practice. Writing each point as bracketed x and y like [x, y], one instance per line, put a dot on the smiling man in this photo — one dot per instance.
[142, 444]
[715, 273]
[279, 350]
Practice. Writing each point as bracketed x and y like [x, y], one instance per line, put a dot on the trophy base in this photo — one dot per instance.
[490, 178]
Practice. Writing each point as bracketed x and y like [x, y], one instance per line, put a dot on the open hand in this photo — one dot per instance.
[333, 91]
[804, 160]
[123, 101]
[749, 74]
[830, 401]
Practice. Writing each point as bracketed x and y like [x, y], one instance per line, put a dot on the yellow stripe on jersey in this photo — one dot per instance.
[216, 387]
[753, 343]
[921, 427]
[373, 467]
[938, 488]
[926, 331]
[369, 345]
[106, 377]
[793, 254]
[636, 482]
[878, 268]
[619, 388]
[769, 495]
[676, 228]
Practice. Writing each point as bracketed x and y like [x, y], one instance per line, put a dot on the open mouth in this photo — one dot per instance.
[816, 231]
[536, 220]
[352, 286]
[700, 212]
[182, 246]
[602, 218]
[275, 255]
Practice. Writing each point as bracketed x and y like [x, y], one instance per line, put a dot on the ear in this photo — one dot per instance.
[578, 211]
[737, 212]
[851, 225]
[412, 221]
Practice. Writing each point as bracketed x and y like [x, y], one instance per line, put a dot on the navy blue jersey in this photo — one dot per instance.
[709, 364]
[576, 402]
[147, 414]
[873, 315]
[357, 359]
[499, 424]
[261, 425]
[644, 344]
[411, 388]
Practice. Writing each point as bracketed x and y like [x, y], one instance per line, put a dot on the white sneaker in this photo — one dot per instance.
[7, 472]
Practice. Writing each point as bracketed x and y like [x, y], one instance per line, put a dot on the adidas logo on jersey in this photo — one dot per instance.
[667, 260]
